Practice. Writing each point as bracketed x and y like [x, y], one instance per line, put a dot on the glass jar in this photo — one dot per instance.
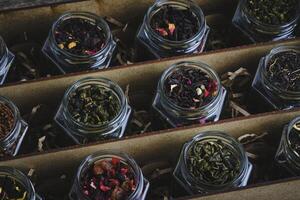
[21, 179]
[194, 185]
[6, 58]
[68, 62]
[159, 47]
[142, 184]
[258, 31]
[10, 144]
[82, 133]
[275, 96]
[178, 116]
[286, 156]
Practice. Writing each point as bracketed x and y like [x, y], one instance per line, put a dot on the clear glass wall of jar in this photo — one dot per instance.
[142, 184]
[21, 179]
[178, 116]
[258, 31]
[6, 58]
[82, 133]
[68, 62]
[286, 155]
[10, 144]
[194, 185]
[274, 95]
[159, 47]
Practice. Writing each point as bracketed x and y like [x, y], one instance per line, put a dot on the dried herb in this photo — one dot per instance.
[294, 138]
[11, 189]
[109, 179]
[213, 162]
[191, 88]
[93, 105]
[175, 24]
[6, 120]
[29, 63]
[80, 37]
[238, 85]
[283, 70]
[273, 12]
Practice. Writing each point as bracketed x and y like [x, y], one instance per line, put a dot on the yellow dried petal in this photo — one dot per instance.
[61, 46]
[71, 45]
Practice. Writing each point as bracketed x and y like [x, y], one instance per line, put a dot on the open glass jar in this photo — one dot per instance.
[93, 109]
[172, 28]
[10, 180]
[277, 78]
[267, 20]
[13, 128]
[6, 58]
[189, 92]
[288, 153]
[211, 162]
[130, 183]
[80, 41]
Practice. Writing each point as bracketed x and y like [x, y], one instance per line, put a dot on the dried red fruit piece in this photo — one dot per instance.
[162, 32]
[109, 179]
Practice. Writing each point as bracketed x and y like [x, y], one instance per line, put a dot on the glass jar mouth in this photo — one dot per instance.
[16, 115]
[197, 65]
[259, 23]
[20, 178]
[287, 136]
[231, 142]
[266, 61]
[93, 19]
[195, 10]
[103, 155]
[104, 83]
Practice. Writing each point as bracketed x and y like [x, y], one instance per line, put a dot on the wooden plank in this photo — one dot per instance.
[6, 5]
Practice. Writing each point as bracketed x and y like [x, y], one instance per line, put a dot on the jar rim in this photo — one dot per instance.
[266, 60]
[198, 65]
[16, 114]
[187, 4]
[106, 154]
[255, 21]
[3, 54]
[105, 83]
[20, 178]
[230, 142]
[287, 136]
[90, 17]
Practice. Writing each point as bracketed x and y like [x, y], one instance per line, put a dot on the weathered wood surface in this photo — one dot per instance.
[20, 4]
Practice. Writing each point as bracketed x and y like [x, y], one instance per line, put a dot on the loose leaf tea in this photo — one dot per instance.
[175, 24]
[6, 120]
[189, 87]
[11, 189]
[80, 37]
[283, 70]
[109, 179]
[294, 138]
[274, 12]
[213, 162]
[93, 105]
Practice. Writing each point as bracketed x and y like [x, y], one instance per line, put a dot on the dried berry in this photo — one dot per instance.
[108, 179]
[189, 87]
[175, 24]
[80, 37]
